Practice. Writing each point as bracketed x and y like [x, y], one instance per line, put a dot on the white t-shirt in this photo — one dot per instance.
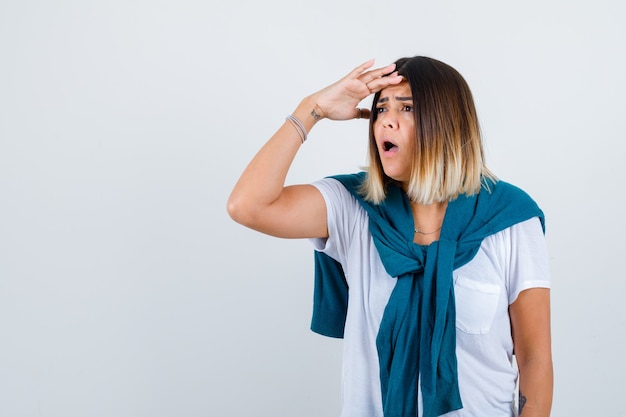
[507, 263]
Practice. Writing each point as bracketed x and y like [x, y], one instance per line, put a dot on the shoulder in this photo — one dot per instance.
[332, 189]
[505, 193]
[502, 196]
[341, 186]
[524, 233]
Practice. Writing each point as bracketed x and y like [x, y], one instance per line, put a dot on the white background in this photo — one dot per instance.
[125, 289]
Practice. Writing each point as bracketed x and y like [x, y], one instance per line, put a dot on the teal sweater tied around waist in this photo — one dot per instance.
[417, 336]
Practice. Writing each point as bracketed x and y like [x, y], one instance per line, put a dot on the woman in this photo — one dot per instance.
[434, 272]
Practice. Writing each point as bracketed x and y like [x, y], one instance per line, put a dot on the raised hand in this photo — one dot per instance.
[339, 101]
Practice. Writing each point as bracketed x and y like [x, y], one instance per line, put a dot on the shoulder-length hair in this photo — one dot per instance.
[449, 158]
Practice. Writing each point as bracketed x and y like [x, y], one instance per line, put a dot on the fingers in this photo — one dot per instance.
[366, 77]
[376, 79]
[379, 83]
[376, 74]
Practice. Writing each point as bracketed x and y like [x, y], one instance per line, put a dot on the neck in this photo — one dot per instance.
[428, 219]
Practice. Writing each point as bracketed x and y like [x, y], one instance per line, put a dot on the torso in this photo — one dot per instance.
[483, 290]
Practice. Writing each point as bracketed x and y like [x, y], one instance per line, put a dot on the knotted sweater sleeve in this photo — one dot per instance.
[330, 297]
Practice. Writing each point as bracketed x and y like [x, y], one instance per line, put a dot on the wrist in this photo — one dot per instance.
[309, 113]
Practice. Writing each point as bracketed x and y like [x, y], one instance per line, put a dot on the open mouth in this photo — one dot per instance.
[389, 146]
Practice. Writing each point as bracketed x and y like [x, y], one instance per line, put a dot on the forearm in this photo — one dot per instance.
[530, 320]
[263, 180]
[535, 387]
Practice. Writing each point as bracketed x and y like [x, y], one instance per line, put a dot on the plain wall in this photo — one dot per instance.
[125, 289]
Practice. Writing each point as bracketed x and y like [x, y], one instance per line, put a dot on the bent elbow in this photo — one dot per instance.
[240, 211]
[233, 208]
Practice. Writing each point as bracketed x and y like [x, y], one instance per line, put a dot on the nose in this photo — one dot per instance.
[389, 119]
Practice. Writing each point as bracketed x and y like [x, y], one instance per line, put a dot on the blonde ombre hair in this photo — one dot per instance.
[449, 158]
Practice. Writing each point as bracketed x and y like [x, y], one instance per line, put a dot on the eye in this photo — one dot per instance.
[380, 110]
[407, 108]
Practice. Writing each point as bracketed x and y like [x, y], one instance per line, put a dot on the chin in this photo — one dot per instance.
[396, 176]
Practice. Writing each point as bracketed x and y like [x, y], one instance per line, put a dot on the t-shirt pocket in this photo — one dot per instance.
[476, 304]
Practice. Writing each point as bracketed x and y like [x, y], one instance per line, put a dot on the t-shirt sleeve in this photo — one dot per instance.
[340, 209]
[528, 263]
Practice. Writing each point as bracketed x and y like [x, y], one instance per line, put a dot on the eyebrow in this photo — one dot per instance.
[386, 99]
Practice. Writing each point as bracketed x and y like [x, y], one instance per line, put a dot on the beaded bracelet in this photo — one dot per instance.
[298, 125]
